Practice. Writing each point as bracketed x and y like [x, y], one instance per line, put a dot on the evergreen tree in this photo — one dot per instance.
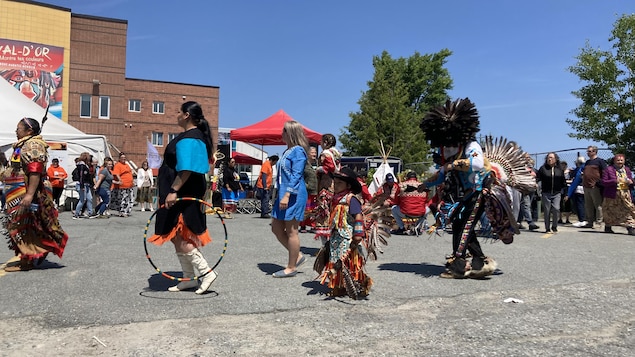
[401, 92]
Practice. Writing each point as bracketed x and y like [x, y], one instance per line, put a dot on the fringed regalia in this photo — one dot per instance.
[34, 232]
[330, 162]
[617, 207]
[341, 262]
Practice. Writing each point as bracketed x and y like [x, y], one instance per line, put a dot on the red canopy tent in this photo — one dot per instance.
[245, 159]
[269, 131]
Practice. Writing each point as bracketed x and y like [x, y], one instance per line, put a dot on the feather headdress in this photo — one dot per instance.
[451, 124]
[509, 163]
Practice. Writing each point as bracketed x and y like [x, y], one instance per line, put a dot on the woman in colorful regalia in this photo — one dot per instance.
[32, 222]
[468, 180]
[341, 262]
[186, 160]
[617, 207]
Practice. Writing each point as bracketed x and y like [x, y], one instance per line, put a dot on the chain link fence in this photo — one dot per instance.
[570, 156]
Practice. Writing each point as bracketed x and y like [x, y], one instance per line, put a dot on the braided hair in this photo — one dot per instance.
[196, 114]
[33, 125]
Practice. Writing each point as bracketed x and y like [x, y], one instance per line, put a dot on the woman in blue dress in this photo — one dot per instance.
[288, 209]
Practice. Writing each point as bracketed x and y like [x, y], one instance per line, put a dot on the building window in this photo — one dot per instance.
[134, 105]
[171, 136]
[158, 107]
[104, 107]
[84, 105]
[157, 138]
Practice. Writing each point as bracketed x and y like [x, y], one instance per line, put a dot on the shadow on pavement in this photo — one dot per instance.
[423, 269]
[315, 288]
[269, 268]
[158, 286]
[182, 295]
[309, 251]
[48, 265]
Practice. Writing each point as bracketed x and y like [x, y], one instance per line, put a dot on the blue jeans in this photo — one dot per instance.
[525, 208]
[578, 204]
[85, 197]
[399, 216]
[104, 194]
[265, 207]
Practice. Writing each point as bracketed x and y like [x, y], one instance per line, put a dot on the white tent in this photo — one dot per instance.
[15, 106]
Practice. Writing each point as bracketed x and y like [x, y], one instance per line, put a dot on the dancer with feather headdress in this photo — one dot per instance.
[469, 179]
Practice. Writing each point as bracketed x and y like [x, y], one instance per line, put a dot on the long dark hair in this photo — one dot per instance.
[196, 114]
[32, 124]
[329, 141]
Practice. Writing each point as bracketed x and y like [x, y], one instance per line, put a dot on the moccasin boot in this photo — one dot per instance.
[456, 268]
[200, 264]
[481, 267]
[188, 272]
[25, 265]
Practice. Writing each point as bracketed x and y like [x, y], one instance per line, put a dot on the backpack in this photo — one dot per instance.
[75, 175]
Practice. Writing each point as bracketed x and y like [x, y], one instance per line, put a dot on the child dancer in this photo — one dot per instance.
[329, 163]
[341, 262]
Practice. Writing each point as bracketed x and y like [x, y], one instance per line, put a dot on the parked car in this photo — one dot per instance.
[245, 181]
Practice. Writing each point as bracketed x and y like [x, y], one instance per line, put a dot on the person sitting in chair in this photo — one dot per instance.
[388, 188]
[410, 202]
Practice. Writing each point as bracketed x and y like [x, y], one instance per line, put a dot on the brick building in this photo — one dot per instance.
[91, 91]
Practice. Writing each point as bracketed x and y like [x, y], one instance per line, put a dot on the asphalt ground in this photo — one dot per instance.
[573, 294]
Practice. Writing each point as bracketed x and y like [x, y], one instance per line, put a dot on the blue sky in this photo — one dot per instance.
[314, 58]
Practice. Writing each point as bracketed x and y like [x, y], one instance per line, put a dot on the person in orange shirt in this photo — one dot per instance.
[123, 187]
[57, 176]
[264, 191]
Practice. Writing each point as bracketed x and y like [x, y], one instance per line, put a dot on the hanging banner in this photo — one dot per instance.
[35, 70]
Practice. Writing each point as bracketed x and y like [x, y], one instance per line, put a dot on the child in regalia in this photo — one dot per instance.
[341, 261]
[329, 163]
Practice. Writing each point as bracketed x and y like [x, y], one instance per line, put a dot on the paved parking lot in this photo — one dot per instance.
[104, 298]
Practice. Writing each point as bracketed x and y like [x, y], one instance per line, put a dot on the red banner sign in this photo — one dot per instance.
[30, 56]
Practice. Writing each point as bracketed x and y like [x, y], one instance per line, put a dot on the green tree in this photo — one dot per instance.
[401, 92]
[607, 111]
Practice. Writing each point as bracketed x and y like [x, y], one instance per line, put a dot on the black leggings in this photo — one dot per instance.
[57, 193]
